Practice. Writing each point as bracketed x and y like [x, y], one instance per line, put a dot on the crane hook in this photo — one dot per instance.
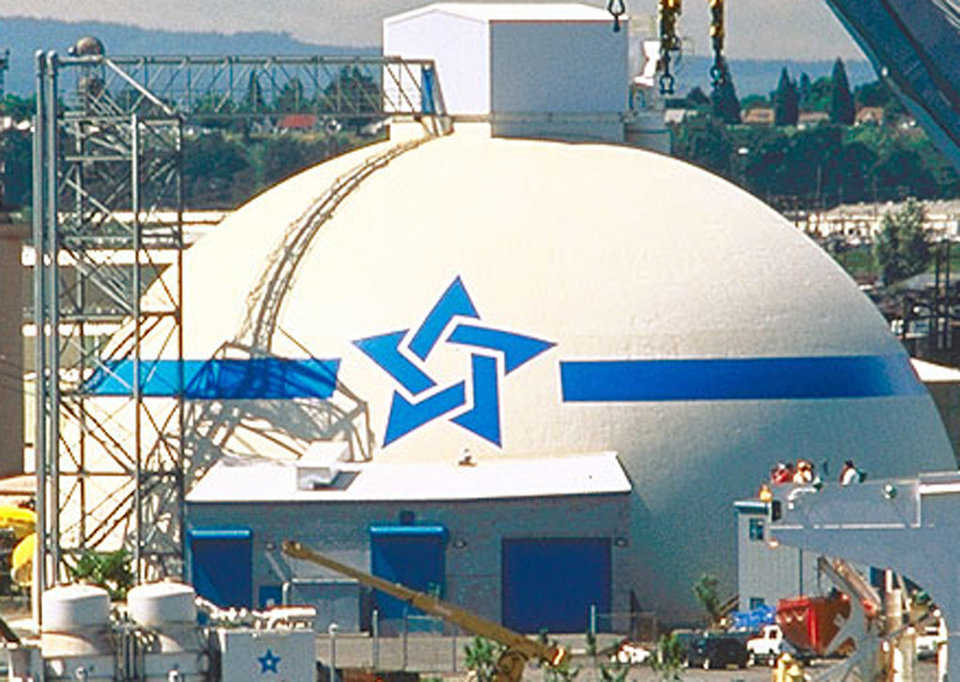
[617, 9]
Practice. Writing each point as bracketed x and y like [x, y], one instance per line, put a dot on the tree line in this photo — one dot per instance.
[228, 159]
[818, 165]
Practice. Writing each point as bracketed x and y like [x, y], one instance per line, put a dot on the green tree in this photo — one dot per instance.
[786, 101]
[841, 101]
[352, 91]
[254, 100]
[697, 99]
[671, 657]
[481, 658]
[726, 106]
[16, 150]
[705, 590]
[216, 105]
[284, 156]
[872, 94]
[291, 98]
[857, 161]
[704, 141]
[818, 98]
[18, 108]
[113, 571]
[901, 171]
[563, 672]
[213, 168]
[804, 90]
[901, 247]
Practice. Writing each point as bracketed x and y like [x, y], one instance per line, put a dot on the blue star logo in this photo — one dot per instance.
[401, 357]
[268, 662]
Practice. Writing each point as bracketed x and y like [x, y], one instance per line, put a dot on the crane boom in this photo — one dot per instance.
[520, 648]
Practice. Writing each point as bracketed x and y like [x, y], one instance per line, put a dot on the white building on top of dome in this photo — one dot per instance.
[554, 69]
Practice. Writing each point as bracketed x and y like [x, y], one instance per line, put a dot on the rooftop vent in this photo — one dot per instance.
[320, 464]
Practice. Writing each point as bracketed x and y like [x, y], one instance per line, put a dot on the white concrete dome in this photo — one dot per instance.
[605, 253]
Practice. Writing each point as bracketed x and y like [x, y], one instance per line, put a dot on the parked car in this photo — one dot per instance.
[686, 639]
[630, 653]
[766, 647]
[718, 651]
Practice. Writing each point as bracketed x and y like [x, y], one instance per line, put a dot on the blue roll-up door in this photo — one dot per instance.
[550, 583]
[221, 565]
[410, 555]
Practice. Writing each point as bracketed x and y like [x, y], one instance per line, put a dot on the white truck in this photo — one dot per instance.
[767, 646]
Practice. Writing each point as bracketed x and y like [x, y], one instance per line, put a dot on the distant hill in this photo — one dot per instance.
[760, 76]
[24, 36]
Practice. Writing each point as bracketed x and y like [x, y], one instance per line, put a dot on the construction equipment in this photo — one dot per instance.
[519, 648]
[718, 72]
[668, 13]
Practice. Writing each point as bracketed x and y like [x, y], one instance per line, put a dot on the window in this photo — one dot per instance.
[756, 603]
[756, 529]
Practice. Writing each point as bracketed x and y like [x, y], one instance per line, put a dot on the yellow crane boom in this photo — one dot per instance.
[520, 648]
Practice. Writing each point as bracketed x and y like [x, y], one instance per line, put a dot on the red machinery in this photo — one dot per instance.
[831, 624]
[811, 623]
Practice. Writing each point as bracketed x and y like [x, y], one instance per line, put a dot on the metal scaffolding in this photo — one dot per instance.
[107, 221]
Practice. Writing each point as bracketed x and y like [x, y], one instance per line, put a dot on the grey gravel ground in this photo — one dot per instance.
[433, 656]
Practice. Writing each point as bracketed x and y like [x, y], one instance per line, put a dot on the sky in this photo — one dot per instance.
[756, 29]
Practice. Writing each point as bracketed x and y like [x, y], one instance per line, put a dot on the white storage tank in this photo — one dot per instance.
[177, 646]
[162, 604]
[75, 637]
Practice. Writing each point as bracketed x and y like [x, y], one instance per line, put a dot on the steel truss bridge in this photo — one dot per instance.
[108, 218]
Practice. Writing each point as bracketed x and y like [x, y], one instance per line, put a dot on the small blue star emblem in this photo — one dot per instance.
[268, 662]
[401, 355]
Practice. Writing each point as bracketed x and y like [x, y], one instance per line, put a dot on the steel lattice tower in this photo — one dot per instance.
[107, 223]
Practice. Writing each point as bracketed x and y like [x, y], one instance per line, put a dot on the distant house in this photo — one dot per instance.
[758, 116]
[297, 122]
[808, 119]
[869, 115]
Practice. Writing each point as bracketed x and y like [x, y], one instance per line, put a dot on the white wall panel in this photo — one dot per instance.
[459, 45]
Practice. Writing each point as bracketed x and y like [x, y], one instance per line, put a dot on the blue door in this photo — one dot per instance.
[551, 582]
[410, 555]
[221, 565]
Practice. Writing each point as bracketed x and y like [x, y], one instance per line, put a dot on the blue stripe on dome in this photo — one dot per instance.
[799, 378]
[223, 379]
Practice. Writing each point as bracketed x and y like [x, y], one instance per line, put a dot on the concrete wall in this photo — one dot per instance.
[946, 396]
[473, 553]
[560, 67]
[772, 573]
[11, 347]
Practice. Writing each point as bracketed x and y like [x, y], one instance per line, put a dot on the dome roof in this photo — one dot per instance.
[505, 267]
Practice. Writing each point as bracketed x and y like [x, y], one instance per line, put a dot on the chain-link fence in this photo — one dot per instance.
[641, 626]
[427, 644]
[413, 642]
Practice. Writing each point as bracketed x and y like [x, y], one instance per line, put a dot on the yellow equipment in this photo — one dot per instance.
[22, 522]
[21, 562]
[520, 649]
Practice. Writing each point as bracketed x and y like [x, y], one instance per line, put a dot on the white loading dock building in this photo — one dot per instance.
[528, 543]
